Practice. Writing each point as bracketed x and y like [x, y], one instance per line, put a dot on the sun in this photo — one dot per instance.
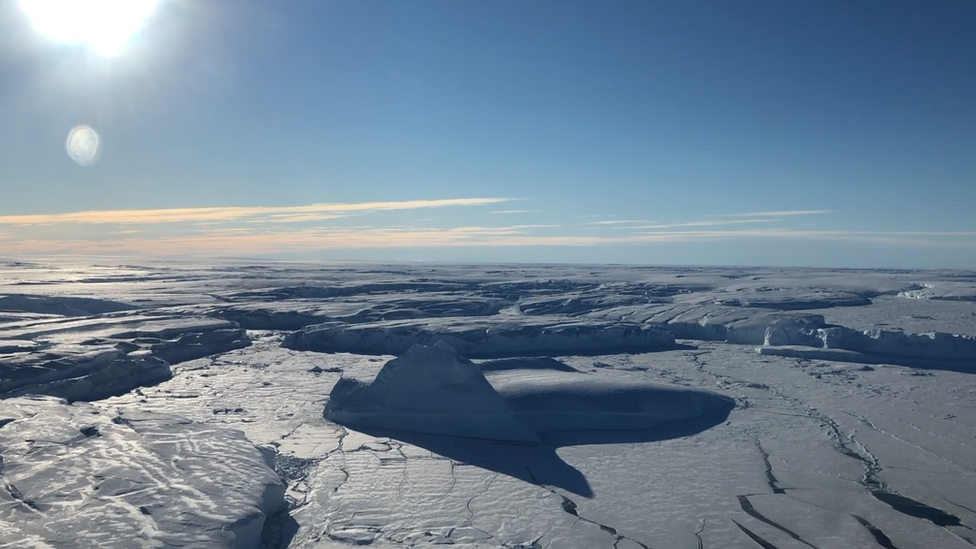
[105, 26]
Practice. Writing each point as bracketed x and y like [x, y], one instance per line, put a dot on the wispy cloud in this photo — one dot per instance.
[234, 242]
[297, 218]
[503, 212]
[231, 231]
[781, 213]
[697, 224]
[510, 229]
[253, 231]
[223, 214]
[620, 222]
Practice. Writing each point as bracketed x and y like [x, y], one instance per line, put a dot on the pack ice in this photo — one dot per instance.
[76, 476]
[317, 406]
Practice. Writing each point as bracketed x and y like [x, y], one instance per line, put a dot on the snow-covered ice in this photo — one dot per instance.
[79, 476]
[554, 402]
[501, 336]
[611, 389]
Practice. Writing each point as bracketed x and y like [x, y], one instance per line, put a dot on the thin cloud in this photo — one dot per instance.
[297, 218]
[230, 243]
[698, 224]
[503, 212]
[491, 231]
[782, 213]
[620, 222]
[231, 231]
[223, 214]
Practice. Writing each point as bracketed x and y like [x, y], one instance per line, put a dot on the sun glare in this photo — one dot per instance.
[105, 26]
[83, 145]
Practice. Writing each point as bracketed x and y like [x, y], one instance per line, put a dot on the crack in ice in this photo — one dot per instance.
[698, 533]
[569, 506]
[746, 506]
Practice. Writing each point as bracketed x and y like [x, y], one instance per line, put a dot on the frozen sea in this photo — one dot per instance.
[172, 405]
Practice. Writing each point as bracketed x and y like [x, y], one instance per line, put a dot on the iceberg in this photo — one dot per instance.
[433, 390]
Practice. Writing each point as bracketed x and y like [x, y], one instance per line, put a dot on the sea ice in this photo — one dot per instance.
[76, 477]
[820, 449]
[485, 337]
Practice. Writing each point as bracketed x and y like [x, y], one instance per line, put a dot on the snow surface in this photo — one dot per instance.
[103, 355]
[77, 476]
[853, 424]
[550, 401]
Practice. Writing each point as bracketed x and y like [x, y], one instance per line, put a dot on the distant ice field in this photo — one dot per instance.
[324, 406]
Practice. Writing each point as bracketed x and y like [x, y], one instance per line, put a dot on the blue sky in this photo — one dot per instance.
[829, 133]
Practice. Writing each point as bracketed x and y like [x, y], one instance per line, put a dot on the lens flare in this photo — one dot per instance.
[83, 145]
[105, 26]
